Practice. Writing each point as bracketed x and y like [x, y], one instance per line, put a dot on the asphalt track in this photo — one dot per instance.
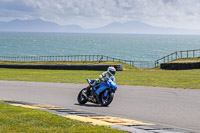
[179, 108]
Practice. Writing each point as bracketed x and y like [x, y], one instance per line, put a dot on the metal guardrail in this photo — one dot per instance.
[99, 58]
[72, 58]
[178, 55]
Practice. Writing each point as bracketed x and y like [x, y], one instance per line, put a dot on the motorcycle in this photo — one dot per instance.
[105, 91]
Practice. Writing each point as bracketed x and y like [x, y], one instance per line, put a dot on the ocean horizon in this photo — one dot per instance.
[136, 47]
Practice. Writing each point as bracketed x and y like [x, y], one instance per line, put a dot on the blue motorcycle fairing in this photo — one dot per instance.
[103, 85]
[112, 85]
[94, 87]
[89, 81]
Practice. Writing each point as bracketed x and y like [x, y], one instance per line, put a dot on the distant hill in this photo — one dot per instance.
[137, 27]
[131, 27]
[37, 25]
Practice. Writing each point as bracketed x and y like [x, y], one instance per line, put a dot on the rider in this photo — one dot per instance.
[110, 73]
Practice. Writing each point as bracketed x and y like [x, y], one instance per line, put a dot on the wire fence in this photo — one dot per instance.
[100, 58]
[178, 55]
[73, 58]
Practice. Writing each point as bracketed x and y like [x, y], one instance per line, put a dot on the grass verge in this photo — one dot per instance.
[17, 119]
[60, 62]
[140, 77]
[187, 60]
[125, 66]
[130, 76]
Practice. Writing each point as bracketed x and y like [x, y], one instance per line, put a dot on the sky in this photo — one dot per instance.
[98, 13]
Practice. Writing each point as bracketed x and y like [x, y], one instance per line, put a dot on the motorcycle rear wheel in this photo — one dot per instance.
[81, 98]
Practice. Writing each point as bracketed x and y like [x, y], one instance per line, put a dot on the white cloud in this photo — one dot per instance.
[95, 13]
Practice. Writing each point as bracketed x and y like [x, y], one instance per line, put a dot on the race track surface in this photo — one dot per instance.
[179, 108]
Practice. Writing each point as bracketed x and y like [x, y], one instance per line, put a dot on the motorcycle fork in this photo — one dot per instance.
[106, 93]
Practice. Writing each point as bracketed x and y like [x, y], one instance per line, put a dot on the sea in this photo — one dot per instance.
[123, 46]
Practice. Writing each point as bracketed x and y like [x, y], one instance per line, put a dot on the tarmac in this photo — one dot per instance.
[134, 109]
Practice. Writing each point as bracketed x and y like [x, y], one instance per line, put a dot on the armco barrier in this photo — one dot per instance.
[62, 67]
[180, 66]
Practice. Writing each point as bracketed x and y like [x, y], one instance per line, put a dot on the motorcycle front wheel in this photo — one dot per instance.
[82, 98]
[106, 100]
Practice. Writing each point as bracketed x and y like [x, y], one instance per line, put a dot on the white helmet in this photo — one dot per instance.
[111, 71]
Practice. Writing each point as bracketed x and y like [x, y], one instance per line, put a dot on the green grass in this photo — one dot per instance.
[60, 62]
[161, 78]
[186, 60]
[23, 120]
[130, 76]
[125, 66]
[139, 77]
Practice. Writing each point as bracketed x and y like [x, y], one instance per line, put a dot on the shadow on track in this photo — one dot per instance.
[89, 105]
